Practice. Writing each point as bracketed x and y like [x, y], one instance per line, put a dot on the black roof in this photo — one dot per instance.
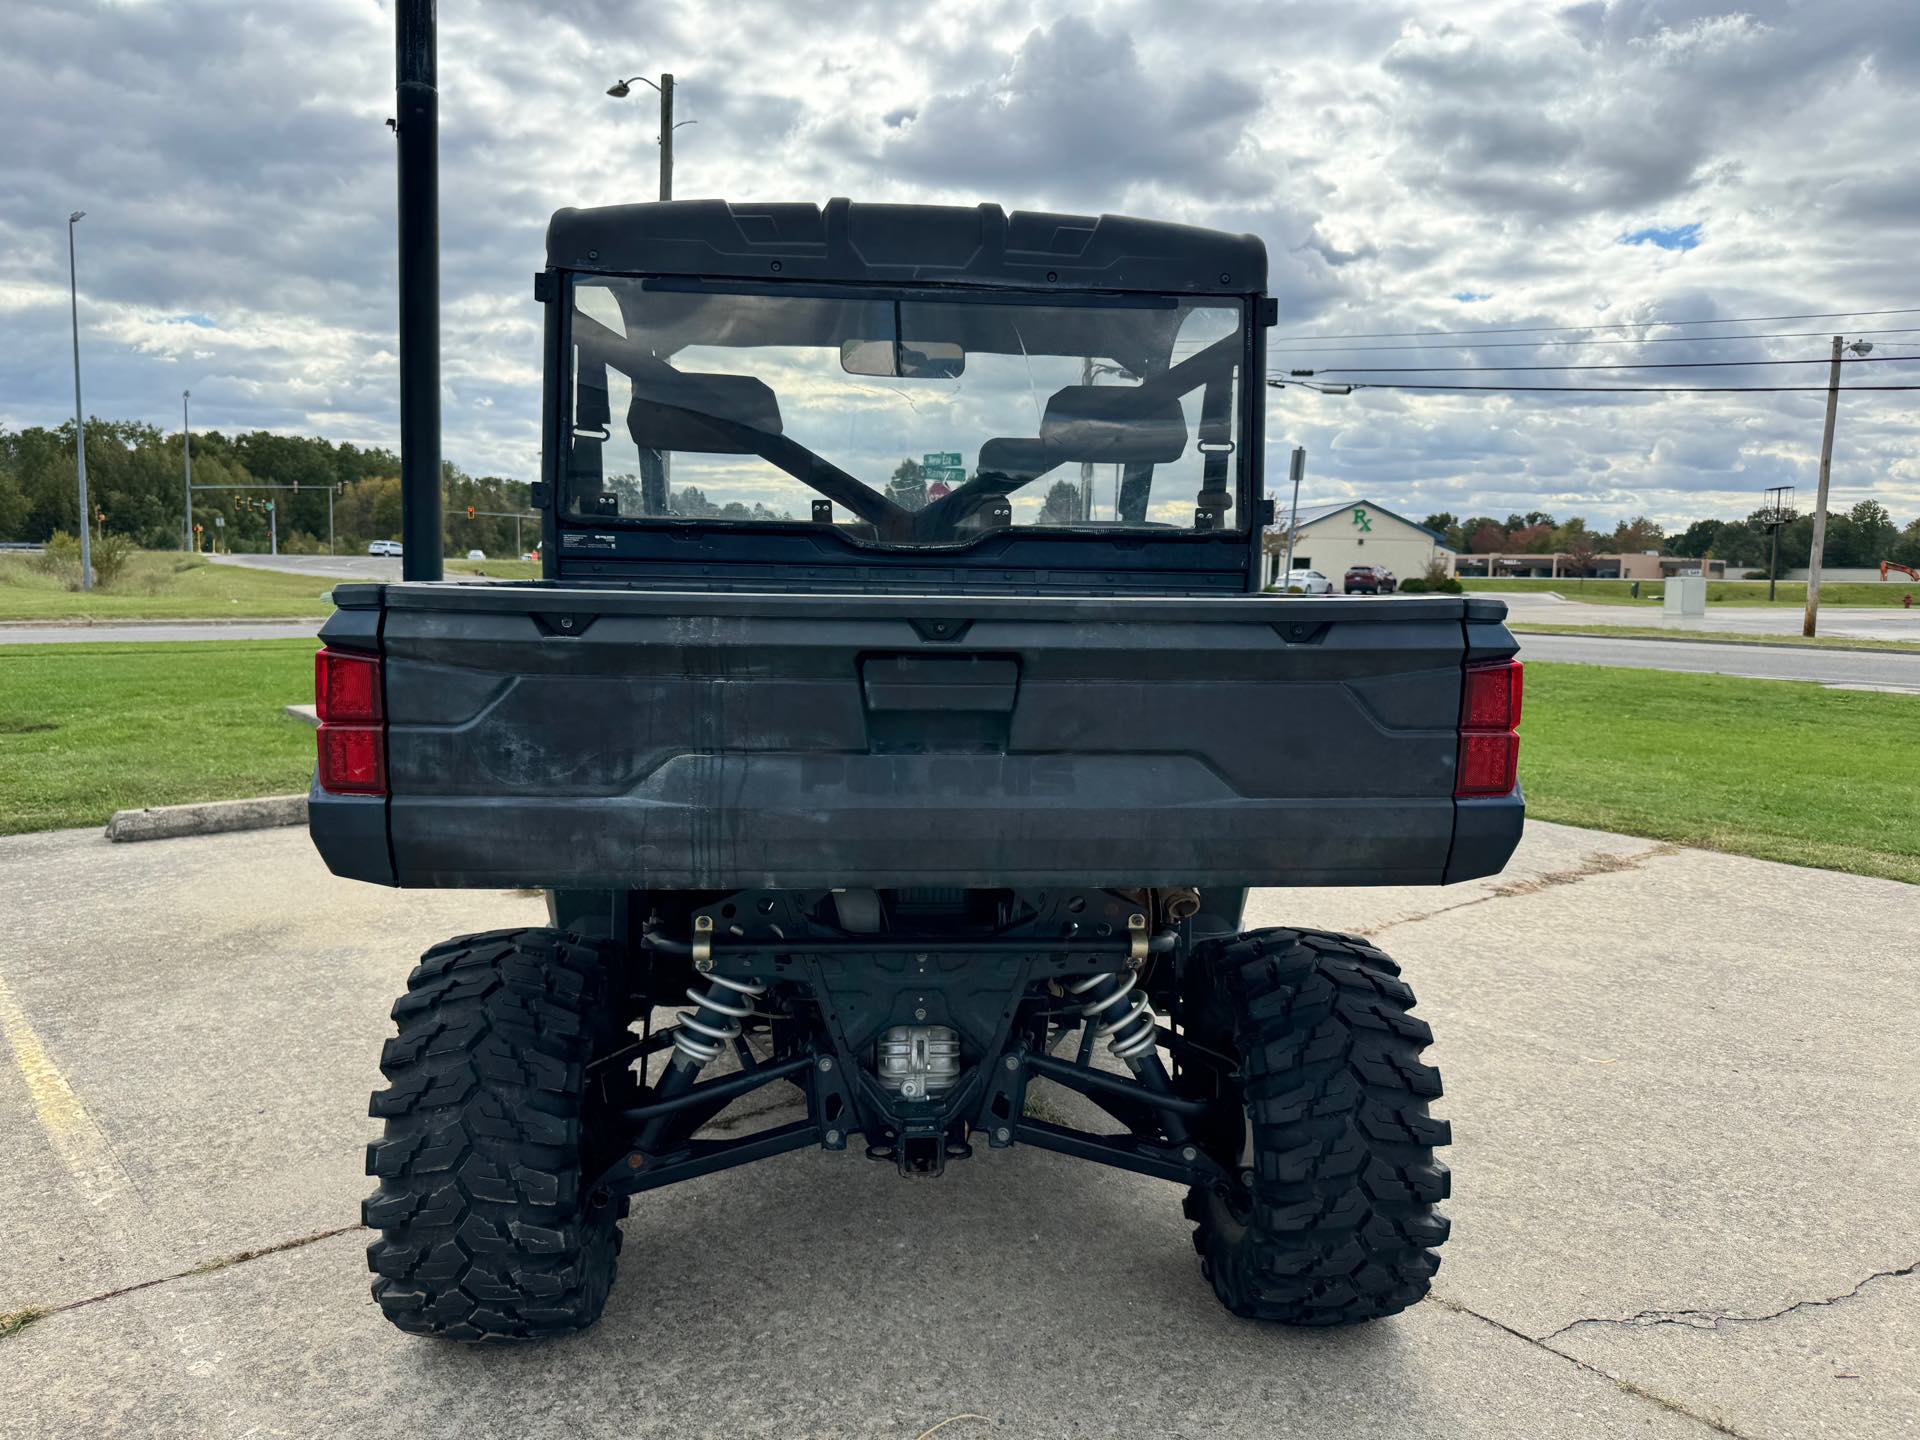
[933, 244]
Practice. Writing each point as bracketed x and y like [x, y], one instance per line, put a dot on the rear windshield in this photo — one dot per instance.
[903, 421]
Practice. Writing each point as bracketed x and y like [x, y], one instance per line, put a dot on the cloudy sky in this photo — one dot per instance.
[1478, 164]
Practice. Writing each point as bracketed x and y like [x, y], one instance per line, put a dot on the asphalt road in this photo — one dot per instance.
[1682, 1088]
[1850, 669]
[339, 567]
[1855, 622]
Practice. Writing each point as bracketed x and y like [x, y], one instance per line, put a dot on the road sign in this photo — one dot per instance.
[941, 460]
[943, 475]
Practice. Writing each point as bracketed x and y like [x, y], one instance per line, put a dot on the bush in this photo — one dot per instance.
[1413, 586]
[1754, 575]
[61, 559]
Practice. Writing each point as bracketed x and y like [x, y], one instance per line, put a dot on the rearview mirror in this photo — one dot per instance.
[903, 359]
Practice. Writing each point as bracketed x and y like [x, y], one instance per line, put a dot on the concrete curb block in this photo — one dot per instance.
[168, 822]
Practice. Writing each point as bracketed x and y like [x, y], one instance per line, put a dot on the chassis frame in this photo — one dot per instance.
[827, 989]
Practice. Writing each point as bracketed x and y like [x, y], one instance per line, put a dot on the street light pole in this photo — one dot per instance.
[186, 457]
[1296, 468]
[79, 416]
[620, 89]
[666, 137]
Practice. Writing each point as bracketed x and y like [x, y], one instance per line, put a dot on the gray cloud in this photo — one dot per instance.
[239, 185]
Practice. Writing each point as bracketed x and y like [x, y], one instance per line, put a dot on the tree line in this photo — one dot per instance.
[136, 488]
[1858, 537]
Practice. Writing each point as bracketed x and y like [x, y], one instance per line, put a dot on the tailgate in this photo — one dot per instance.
[582, 739]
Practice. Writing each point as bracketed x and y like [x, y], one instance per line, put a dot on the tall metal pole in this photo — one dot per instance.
[79, 415]
[186, 459]
[330, 489]
[1296, 468]
[666, 137]
[417, 128]
[1773, 565]
[1812, 619]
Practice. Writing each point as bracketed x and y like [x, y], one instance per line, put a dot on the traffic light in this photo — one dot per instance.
[469, 512]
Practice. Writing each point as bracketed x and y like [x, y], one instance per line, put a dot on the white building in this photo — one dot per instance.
[1355, 532]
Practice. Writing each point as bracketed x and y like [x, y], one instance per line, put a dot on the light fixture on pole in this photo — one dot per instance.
[79, 416]
[620, 89]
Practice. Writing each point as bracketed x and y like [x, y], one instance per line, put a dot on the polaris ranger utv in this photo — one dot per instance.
[900, 698]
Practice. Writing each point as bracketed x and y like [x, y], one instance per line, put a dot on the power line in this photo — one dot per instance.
[1618, 325]
[1651, 365]
[1650, 340]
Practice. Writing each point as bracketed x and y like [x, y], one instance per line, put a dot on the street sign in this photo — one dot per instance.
[944, 475]
[941, 460]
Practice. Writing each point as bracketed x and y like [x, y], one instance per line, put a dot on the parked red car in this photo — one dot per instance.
[1370, 580]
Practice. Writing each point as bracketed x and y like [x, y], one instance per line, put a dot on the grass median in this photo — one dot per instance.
[1778, 769]
[89, 729]
[1791, 594]
[163, 585]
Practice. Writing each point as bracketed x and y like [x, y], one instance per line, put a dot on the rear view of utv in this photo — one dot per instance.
[899, 705]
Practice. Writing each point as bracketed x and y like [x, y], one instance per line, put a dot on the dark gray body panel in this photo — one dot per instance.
[574, 738]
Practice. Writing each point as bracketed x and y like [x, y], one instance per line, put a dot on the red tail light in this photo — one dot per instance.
[1489, 714]
[352, 738]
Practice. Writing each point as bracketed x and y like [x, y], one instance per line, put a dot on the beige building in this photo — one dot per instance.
[1648, 565]
[1331, 538]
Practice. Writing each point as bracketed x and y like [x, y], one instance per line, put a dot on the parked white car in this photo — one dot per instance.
[1309, 582]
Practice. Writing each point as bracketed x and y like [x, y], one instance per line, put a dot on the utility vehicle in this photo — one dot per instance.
[899, 698]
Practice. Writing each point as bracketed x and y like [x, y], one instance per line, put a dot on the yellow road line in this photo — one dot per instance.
[79, 1142]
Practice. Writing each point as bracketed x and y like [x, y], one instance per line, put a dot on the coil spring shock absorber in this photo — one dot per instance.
[715, 1020]
[713, 1023]
[1125, 1017]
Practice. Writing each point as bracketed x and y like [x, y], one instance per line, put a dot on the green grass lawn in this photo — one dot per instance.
[89, 729]
[1778, 769]
[1718, 637]
[163, 585]
[1791, 594]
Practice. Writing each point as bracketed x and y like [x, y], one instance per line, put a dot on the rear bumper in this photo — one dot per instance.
[818, 822]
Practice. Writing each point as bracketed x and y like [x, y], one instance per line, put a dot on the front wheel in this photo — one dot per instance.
[495, 1121]
[1332, 1220]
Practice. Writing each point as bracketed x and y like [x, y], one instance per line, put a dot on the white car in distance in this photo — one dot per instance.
[1308, 582]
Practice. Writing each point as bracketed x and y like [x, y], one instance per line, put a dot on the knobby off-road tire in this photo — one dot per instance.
[493, 1129]
[1339, 1225]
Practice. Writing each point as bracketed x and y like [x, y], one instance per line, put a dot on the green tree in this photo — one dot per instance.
[908, 487]
[1062, 506]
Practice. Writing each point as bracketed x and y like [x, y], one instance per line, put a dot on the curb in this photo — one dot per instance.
[216, 817]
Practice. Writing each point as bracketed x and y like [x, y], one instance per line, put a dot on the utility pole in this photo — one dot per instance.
[1814, 560]
[417, 130]
[79, 415]
[186, 458]
[330, 493]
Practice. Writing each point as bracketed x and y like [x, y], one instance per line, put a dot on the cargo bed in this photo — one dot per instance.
[577, 738]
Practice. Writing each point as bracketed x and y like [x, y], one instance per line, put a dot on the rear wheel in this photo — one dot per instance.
[1326, 1125]
[494, 1126]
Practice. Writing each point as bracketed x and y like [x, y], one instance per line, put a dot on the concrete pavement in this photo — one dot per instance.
[1681, 1085]
[340, 567]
